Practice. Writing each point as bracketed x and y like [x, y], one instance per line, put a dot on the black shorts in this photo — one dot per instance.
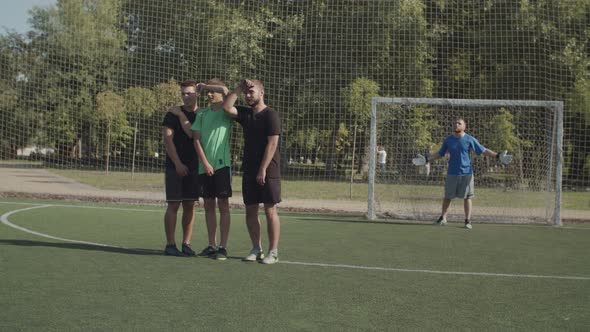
[253, 193]
[216, 186]
[181, 188]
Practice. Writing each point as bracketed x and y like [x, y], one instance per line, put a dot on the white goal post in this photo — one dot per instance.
[527, 190]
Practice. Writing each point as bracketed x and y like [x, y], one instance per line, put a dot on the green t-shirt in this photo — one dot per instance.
[215, 128]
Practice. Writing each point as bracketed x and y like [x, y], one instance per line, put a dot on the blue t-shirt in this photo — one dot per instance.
[459, 149]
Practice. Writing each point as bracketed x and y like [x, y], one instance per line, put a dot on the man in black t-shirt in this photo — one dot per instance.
[181, 171]
[261, 181]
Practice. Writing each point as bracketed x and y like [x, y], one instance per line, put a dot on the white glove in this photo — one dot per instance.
[504, 157]
[420, 160]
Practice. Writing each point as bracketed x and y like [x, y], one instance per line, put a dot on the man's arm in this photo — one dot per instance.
[269, 152]
[432, 156]
[201, 153]
[490, 153]
[502, 157]
[230, 100]
[168, 134]
[184, 122]
[421, 160]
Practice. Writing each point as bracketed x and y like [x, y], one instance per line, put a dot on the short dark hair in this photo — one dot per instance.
[216, 81]
[188, 83]
[258, 83]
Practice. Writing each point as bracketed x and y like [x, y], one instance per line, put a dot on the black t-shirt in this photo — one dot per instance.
[257, 128]
[184, 144]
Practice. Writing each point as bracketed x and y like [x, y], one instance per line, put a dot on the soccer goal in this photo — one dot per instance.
[527, 190]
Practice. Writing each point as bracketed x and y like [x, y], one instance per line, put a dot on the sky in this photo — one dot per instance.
[14, 13]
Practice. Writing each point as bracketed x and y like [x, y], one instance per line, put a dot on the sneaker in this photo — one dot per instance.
[271, 258]
[171, 250]
[187, 250]
[468, 225]
[221, 254]
[208, 252]
[441, 221]
[254, 255]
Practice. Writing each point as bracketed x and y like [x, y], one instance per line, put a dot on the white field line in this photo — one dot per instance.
[5, 221]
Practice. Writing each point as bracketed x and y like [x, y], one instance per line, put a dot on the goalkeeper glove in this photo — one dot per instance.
[504, 157]
[420, 160]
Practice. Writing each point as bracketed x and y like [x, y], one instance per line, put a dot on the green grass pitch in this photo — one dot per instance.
[337, 273]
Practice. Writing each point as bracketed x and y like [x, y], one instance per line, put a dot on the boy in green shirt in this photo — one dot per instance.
[211, 132]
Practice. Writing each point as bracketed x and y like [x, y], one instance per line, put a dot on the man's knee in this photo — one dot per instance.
[209, 204]
[252, 210]
[173, 206]
[223, 204]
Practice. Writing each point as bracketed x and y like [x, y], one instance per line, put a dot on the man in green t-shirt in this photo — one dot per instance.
[211, 132]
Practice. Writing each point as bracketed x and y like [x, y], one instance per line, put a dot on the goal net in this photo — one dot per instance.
[526, 190]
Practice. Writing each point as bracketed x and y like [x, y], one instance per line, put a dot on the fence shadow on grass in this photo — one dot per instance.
[83, 246]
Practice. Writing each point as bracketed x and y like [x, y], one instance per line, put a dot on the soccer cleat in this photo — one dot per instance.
[254, 255]
[271, 258]
[208, 252]
[187, 250]
[468, 225]
[221, 254]
[441, 221]
[171, 250]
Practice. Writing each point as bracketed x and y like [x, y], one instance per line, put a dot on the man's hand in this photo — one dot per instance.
[261, 177]
[245, 85]
[200, 88]
[208, 169]
[181, 169]
[504, 157]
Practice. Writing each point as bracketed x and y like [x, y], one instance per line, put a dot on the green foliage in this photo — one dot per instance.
[111, 107]
[421, 125]
[579, 101]
[502, 133]
[342, 141]
[167, 94]
[140, 102]
[357, 99]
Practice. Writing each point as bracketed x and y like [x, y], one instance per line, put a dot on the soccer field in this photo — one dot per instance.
[83, 266]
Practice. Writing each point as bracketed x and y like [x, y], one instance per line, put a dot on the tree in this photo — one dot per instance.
[357, 101]
[502, 135]
[18, 122]
[140, 105]
[80, 48]
[167, 94]
[111, 107]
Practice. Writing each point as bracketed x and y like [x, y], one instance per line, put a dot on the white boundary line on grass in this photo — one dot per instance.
[5, 221]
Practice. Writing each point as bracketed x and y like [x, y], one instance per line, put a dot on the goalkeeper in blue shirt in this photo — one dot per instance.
[459, 180]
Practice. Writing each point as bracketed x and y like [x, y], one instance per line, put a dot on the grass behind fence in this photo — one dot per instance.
[327, 190]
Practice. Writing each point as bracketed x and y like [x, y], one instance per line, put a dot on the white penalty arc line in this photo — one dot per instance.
[5, 221]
